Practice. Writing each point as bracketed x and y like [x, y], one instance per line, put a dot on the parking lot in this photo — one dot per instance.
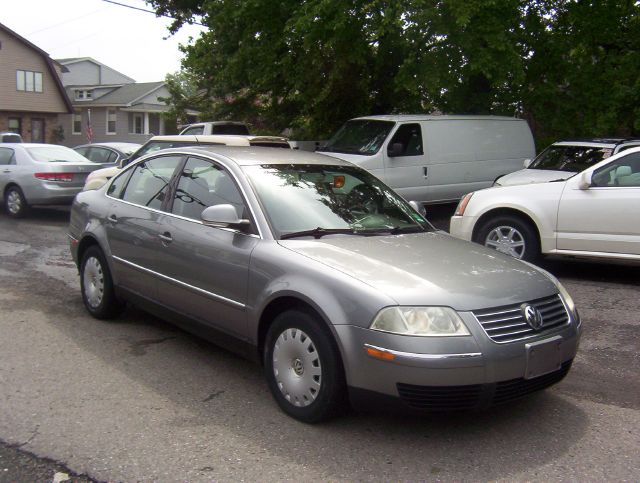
[137, 399]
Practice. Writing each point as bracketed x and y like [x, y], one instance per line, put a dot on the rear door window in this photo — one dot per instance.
[150, 181]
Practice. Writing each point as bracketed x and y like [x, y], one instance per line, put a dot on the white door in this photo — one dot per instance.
[605, 217]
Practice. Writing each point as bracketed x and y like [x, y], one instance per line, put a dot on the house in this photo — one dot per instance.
[31, 92]
[116, 107]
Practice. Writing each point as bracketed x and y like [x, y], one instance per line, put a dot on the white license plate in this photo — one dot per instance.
[543, 357]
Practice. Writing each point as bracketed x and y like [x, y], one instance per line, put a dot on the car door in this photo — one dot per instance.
[406, 170]
[206, 269]
[605, 216]
[133, 223]
[7, 163]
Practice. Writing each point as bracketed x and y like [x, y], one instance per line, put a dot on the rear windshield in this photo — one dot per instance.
[230, 129]
[57, 154]
[359, 137]
[570, 158]
[266, 144]
[11, 138]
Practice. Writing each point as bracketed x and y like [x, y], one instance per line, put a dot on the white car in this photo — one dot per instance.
[564, 159]
[592, 214]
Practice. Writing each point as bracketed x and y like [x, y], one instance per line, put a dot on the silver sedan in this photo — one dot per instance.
[40, 174]
[315, 268]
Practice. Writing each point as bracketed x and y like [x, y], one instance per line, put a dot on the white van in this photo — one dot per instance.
[434, 159]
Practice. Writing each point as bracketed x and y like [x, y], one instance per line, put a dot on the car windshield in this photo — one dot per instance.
[322, 198]
[57, 154]
[359, 137]
[570, 158]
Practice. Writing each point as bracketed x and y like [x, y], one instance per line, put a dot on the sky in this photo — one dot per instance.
[134, 43]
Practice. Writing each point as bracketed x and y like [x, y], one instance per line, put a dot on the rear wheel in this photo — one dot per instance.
[303, 367]
[97, 286]
[511, 235]
[15, 204]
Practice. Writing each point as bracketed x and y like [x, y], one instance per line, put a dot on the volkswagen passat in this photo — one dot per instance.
[314, 267]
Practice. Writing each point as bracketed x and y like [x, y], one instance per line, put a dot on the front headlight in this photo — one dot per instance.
[568, 300]
[420, 321]
[462, 205]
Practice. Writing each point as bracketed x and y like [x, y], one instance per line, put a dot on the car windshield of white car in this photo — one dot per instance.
[317, 200]
[359, 137]
[570, 158]
[55, 154]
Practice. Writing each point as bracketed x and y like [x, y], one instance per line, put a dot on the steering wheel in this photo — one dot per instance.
[363, 201]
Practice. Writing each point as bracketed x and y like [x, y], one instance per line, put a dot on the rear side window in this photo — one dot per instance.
[150, 180]
[193, 130]
[410, 137]
[6, 156]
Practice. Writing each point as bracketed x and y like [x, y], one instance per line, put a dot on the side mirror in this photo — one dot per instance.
[527, 162]
[585, 181]
[123, 162]
[395, 149]
[419, 207]
[223, 216]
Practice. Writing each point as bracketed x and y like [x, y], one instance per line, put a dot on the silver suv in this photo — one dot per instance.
[314, 267]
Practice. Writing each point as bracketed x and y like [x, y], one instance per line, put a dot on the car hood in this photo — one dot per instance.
[429, 269]
[527, 176]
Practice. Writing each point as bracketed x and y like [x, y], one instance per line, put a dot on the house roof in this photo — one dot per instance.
[126, 95]
[49, 61]
[74, 60]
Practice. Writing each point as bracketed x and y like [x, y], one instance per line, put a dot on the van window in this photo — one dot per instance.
[360, 136]
[410, 136]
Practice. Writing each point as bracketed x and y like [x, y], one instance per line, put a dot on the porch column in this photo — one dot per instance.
[161, 124]
[146, 123]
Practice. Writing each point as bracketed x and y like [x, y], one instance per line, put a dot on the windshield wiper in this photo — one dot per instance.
[319, 232]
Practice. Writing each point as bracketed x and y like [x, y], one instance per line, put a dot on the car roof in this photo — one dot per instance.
[600, 142]
[35, 145]
[432, 117]
[115, 145]
[248, 156]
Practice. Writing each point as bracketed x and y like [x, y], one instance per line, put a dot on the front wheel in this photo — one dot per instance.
[303, 367]
[97, 286]
[511, 235]
[15, 204]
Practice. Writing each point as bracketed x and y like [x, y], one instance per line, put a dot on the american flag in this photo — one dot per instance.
[89, 128]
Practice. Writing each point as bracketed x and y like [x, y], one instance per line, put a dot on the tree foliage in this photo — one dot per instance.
[570, 67]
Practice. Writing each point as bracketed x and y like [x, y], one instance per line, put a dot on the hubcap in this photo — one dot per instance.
[506, 239]
[14, 202]
[93, 282]
[296, 367]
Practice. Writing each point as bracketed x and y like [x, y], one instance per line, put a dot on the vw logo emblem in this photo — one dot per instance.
[532, 316]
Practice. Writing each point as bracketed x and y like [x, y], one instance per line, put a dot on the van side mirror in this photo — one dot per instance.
[527, 162]
[585, 181]
[223, 216]
[419, 207]
[395, 149]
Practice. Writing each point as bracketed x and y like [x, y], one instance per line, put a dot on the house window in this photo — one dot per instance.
[28, 81]
[112, 115]
[84, 95]
[136, 123]
[77, 124]
[15, 125]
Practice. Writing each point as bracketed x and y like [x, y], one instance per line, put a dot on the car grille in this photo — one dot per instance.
[452, 398]
[507, 323]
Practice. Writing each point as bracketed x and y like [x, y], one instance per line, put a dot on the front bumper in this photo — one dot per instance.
[462, 226]
[453, 372]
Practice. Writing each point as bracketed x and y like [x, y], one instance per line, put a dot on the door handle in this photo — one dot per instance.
[113, 218]
[6, 171]
[166, 237]
[425, 172]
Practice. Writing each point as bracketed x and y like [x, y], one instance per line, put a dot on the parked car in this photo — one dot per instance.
[564, 159]
[10, 137]
[592, 214]
[40, 174]
[216, 127]
[107, 154]
[431, 159]
[156, 143]
[331, 279]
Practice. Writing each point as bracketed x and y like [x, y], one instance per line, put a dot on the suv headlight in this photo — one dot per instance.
[420, 321]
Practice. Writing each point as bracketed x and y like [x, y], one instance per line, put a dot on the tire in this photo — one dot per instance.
[96, 286]
[303, 367]
[15, 204]
[511, 235]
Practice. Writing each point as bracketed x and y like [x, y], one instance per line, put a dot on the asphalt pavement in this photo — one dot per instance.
[137, 399]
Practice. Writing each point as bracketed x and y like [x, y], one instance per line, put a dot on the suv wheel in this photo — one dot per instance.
[511, 235]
